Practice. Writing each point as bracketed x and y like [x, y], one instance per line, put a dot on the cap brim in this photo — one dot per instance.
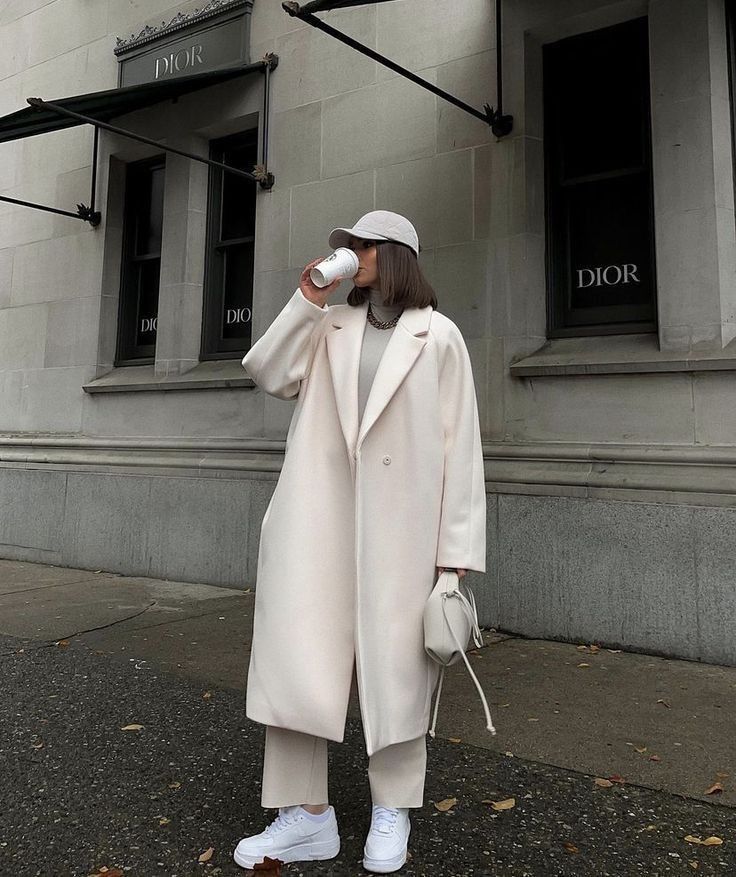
[340, 237]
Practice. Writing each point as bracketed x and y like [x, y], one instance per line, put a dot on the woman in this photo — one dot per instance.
[381, 489]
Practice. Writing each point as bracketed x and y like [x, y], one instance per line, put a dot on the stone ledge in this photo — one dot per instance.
[617, 354]
[225, 374]
[679, 475]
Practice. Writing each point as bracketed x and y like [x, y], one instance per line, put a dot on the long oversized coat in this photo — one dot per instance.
[361, 516]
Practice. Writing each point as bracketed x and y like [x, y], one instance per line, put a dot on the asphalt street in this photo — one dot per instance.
[113, 755]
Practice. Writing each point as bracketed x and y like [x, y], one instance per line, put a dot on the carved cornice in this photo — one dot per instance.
[180, 21]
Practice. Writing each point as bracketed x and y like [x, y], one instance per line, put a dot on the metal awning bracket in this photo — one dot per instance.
[501, 124]
[260, 174]
[265, 178]
[88, 214]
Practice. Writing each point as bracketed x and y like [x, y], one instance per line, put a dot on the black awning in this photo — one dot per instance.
[106, 105]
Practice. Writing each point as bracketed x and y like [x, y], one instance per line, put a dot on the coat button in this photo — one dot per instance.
[387, 460]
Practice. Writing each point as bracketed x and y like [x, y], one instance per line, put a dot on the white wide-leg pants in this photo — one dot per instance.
[295, 771]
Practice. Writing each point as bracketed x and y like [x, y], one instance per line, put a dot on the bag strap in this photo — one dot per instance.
[470, 611]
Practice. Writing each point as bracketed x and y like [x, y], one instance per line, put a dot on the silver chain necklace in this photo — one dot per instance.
[387, 324]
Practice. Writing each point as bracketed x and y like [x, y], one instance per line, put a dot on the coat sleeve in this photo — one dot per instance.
[282, 357]
[462, 534]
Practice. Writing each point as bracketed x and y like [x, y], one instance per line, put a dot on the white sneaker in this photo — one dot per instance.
[387, 841]
[291, 837]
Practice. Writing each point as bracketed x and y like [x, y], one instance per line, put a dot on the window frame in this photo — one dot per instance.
[127, 352]
[560, 314]
[213, 346]
[730, 17]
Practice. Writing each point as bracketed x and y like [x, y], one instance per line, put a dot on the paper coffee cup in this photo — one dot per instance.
[341, 264]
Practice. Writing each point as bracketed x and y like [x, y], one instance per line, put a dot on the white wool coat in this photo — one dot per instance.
[361, 516]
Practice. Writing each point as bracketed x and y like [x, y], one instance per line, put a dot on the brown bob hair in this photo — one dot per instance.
[402, 280]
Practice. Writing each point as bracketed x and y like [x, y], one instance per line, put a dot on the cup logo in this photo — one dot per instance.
[339, 264]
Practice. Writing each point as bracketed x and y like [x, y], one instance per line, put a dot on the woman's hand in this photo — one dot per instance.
[316, 294]
[460, 572]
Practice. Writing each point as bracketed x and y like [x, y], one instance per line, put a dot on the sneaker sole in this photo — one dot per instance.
[301, 853]
[384, 866]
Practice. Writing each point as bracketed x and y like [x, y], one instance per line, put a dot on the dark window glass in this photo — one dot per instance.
[142, 227]
[731, 44]
[600, 233]
[226, 331]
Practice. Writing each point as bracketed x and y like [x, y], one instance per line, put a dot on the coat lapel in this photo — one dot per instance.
[344, 340]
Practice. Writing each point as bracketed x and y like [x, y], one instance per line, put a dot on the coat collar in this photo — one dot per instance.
[344, 337]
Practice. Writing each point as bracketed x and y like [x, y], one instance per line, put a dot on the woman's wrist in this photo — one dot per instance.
[314, 299]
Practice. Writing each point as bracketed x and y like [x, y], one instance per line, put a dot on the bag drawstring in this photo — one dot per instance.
[470, 611]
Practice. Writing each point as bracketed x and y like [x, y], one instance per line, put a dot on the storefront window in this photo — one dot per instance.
[142, 227]
[731, 45]
[228, 296]
[599, 213]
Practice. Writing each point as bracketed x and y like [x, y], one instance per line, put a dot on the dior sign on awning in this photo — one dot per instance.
[211, 38]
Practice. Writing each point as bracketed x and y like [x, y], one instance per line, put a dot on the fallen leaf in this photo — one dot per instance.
[132, 728]
[164, 820]
[506, 804]
[594, 648]
[663, 702]
[570, 847]
[616, 778]
[104, 871]
[455, 739]
[63, 643]
[174, 785]
[39, 744]
[708, 842]
[654, 758]
[604, 784]
[715, 789]
[269, 866]
[207, 695]
[583, 664]
[532, 720]
[206, 855]
[445, 805]
[694, 865]
[582, 648]
[509, 753]
[614, 651]
[640, 748]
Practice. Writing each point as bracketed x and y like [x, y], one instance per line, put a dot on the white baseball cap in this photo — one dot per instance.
[378, 225]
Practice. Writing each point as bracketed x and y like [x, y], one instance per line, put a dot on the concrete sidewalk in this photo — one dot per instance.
[551, 702]
[653, 723]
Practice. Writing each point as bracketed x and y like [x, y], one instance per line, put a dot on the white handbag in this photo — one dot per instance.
[450, 619]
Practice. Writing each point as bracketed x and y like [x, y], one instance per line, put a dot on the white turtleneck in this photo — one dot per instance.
[374, 344]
